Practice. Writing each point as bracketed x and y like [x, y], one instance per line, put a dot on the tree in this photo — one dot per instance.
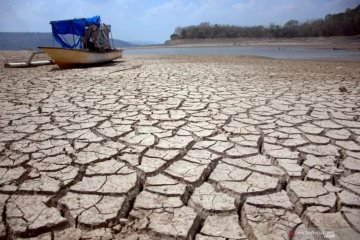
[178, 31]
[347, 23]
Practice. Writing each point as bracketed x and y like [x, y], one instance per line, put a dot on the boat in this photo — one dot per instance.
[90, 46]
[68, 58]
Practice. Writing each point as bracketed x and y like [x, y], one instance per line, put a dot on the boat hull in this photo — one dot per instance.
[68, 58]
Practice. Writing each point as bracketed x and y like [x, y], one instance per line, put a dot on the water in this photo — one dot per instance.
[282, 53]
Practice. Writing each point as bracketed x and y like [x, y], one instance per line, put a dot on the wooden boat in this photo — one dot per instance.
[68, 58]
[91, 43]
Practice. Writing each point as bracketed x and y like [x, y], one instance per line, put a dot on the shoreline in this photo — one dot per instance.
[285, 53]
[334, 48]
[336, 43]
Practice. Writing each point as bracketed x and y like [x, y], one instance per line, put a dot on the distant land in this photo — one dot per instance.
[32, 40]
[340, 24]
[335, 43]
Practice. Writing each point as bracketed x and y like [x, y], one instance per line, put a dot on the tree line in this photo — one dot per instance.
[340, 24]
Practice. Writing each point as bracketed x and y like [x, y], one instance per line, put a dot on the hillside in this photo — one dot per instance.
[30, 40]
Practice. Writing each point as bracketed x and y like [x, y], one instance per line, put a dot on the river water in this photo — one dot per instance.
[272, 52]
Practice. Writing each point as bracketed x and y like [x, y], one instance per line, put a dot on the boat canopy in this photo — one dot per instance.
[74, 26]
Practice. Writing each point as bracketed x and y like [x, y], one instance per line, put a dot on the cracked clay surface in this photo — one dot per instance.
[181, 147]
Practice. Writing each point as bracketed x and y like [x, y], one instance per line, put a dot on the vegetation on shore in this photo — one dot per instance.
[340, 24]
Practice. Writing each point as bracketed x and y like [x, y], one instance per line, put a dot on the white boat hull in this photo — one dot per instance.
[67, 58]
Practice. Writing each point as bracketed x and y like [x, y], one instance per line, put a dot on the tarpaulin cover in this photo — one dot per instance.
[74, 26]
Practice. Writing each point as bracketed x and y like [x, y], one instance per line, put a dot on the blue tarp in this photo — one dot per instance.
[74, 26]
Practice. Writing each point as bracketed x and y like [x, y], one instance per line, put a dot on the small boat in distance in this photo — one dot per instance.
[91, 43]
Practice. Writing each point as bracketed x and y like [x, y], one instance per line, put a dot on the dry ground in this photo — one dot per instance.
[160, 147]
[351, 42]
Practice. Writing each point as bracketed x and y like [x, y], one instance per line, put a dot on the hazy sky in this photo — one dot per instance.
[155, 20]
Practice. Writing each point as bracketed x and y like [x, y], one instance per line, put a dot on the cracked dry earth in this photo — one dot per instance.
[181, 148]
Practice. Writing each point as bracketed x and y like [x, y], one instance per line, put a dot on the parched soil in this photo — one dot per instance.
[181, 147]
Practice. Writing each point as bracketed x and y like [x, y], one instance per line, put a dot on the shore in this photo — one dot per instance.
[350, 43]
[180, 147]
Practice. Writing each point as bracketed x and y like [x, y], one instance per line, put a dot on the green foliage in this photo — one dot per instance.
[340, 24]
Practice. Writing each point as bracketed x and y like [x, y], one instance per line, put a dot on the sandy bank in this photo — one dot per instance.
[320, 42]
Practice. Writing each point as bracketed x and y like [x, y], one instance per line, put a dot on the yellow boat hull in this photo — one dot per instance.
[68, 58]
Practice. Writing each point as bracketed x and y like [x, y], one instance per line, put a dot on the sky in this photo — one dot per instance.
[155, 20]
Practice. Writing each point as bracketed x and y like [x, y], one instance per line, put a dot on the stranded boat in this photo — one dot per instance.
[90, 45]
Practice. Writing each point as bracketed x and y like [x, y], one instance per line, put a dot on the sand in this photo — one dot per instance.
[181, 147]
[336, 43]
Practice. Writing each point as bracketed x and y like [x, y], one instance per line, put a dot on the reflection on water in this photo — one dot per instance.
[280, 53]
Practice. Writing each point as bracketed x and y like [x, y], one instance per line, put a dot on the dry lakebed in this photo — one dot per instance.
[181, 147]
